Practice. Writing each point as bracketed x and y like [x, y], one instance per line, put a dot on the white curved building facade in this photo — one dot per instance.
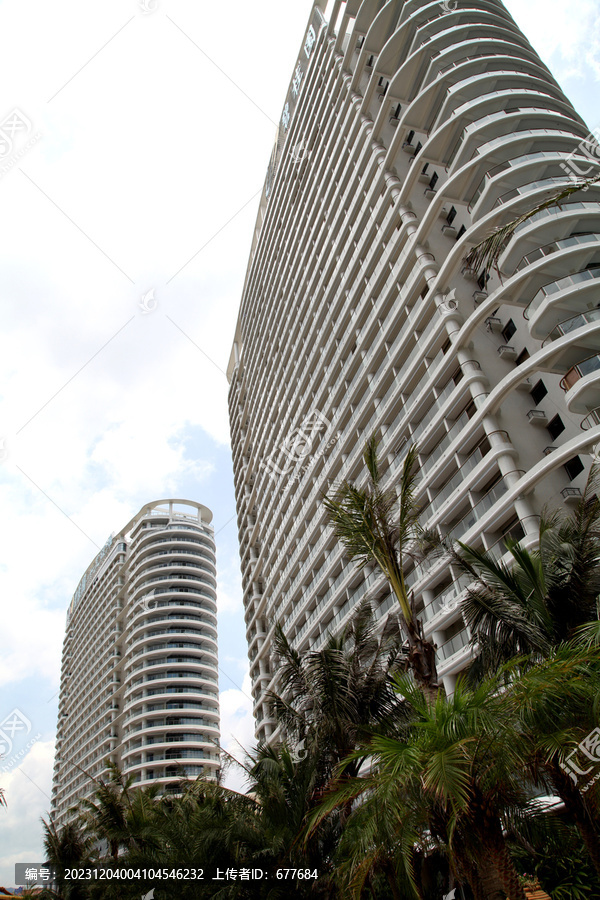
[139, 671]
[411, 131]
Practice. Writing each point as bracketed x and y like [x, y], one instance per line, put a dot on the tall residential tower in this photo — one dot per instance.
[139, 668]
[411, 130]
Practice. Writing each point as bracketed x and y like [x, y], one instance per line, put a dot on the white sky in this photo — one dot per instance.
[146, 151]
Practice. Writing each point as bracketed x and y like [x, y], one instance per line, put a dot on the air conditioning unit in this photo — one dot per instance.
[571, 495]
[395, 116]
[449, 230]
[478, 296]
[492, 323]
[537, 417]
[430, 193]
[506, 352]
[409, 148]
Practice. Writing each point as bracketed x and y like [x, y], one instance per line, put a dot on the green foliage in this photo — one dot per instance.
[387, 787]
[556, 857]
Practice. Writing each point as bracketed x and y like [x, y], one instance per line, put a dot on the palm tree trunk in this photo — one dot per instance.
[421, 657]
[490, 885]
[507, 873]
[390, 874]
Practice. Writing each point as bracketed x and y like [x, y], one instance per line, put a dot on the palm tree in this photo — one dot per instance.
[65, 848]
[331, 698]
[381, 527]
[554, 711]
[106, 815]
[543, 596]
[452, 780]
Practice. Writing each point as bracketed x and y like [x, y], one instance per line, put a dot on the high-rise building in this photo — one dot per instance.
[411, 130]
[139, 667]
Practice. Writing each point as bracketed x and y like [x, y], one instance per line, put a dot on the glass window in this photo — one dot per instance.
[508, 330]
[573, 467]
[556, 426]
[538, 392]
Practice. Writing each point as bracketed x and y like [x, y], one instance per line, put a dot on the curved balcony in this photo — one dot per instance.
[564, 295]
[180, 659]
[141, 630]
[166, 776]
[552, 222]
[591, 420]
[144, 584]
[147, 540]
[168, 677]
[200, 565]
[205, 641]
[198, 646]
[582, 385]
[539, 155]
[572, 324]
[153, 702]
[554, 247]
[204, 716]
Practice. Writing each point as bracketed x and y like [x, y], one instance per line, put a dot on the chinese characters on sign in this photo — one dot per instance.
[300, 73]
[297, 80]
[309, 43]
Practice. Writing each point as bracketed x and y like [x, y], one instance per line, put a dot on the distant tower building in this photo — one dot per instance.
[410, 131]
[139, 666]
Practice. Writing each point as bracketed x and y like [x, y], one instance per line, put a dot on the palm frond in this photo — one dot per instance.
[486, 254]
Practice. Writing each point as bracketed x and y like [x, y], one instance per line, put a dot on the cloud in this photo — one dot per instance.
[566, 37]
[237, 730]
[27, 790]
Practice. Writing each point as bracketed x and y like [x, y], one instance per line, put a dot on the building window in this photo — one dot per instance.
[461, 231]
[556, 426]
[483, 280]
[538, 392]
[451, 216]
[433, 181]
[573, 467]
[513, 530]
[523, 355]
[508, 330]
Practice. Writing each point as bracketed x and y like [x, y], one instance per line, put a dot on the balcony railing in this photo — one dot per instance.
[586, 367]
[591, 420]
[556, 246]
[555, 286]
[475, 513]
[571, 324]
[454, 645]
